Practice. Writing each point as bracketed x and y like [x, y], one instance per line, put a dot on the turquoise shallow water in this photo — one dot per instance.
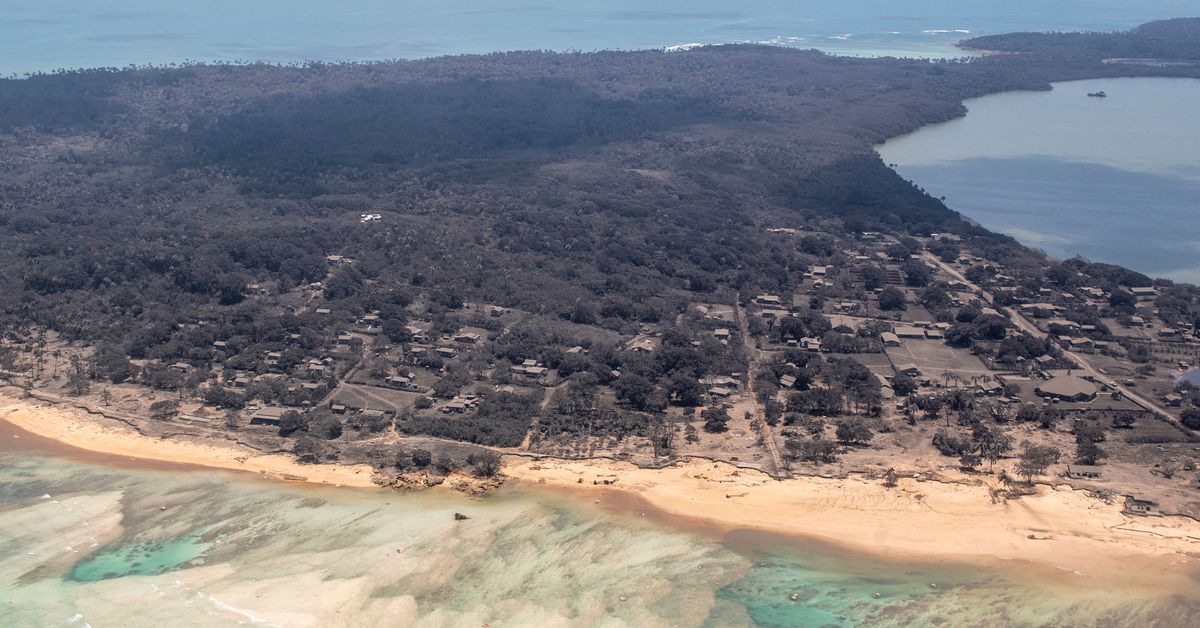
[84, 543]
[1113, 179]
[84, 33]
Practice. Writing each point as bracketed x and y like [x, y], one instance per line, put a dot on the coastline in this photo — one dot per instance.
[1074, 535]
[77, 430]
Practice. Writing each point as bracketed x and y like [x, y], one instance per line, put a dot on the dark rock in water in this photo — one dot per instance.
[458, 516]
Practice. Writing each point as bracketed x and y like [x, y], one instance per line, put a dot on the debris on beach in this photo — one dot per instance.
[458, 516]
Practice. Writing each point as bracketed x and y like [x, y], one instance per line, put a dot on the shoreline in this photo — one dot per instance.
[96, 441]
[1059, 530]
[921, 520]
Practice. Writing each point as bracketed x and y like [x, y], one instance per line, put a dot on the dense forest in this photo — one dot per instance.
[606, 188]
[1167, 39]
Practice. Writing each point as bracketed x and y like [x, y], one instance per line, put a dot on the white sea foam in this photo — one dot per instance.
[237, 611]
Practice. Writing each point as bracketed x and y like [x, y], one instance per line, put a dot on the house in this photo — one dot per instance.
[1079, 343]
[345, 340]
[468, 338]
[220, 345]
[1062, 324]
[720, 391]
[1083, 472]
[721, 334]
[1170, 335]
[268, 416]
[181, 367]
[446, 352]
[768, 299]
[787, 381]
[399, 381]
[1140, 505]
[723, 381]
[1147, 293]
[496, 311]
[322, 311]
[905, 331]
[370, 323]
[454, 407]
[990, 388]
[1068, 388]
[935, 334]
[889, 339]
[810, 344]
[909, 369]
[535, 372]
[1040, 310]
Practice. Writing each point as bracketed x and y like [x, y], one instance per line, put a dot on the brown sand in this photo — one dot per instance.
[927, 520]
[104, 436]
[959, 521]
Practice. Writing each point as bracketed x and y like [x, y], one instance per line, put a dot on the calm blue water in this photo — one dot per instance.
[1113, 179]
[86, 33]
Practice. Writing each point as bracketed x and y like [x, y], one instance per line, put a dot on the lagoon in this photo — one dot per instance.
[87, 543]
[1113, 179]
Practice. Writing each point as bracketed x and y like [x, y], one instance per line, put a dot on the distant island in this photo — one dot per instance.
[432, 271]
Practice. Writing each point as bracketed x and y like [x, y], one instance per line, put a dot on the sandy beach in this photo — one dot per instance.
[1073, 532]
[97, 435]
[1064, 530]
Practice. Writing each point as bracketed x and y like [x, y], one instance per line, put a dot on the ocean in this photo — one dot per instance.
[84, 543]
[1113, 179]
[43, 36]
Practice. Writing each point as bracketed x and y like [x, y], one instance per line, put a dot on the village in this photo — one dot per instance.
[887, 355]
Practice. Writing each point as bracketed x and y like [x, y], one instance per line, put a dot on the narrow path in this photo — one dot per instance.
[533, 425]
[753, 356]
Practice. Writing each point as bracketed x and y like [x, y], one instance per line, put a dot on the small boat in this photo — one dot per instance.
[1099, 94]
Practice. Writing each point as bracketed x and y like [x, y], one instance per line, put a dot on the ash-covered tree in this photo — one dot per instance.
[854, 431]
[716, 419]
[421, 458]
[892, 298]
[485, 463]
[1035, 459]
